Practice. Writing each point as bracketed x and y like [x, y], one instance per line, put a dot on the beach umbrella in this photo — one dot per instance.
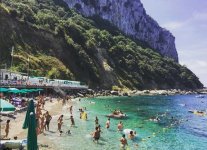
[6, 106]
[3, 90]
[26, 90]
[17, 91]
[13, 89]
[40, 89]
[30, 123]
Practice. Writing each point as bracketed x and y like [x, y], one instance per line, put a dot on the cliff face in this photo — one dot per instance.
[63, 44]
[130, 17]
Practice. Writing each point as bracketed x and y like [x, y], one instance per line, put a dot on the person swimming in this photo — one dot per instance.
[131, 135]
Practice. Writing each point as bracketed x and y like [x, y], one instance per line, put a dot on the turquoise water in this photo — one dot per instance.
[185, 131]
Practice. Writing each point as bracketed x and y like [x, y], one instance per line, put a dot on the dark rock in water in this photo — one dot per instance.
[125, 94]
[114, 92]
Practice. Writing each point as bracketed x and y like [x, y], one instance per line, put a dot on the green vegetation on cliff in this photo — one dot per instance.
[62, 44]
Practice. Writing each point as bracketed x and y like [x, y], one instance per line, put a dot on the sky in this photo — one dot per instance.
[187, 21]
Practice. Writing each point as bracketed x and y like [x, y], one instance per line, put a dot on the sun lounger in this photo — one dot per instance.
[7, 113]
[13, 144]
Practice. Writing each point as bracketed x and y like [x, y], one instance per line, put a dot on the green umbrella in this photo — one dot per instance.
[17, 91]
[25, 90]
[30, 123]
[3, 90]
[40, 89]
[30, 90]
[6, 106]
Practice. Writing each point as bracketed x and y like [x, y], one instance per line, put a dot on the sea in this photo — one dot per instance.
[177, 128]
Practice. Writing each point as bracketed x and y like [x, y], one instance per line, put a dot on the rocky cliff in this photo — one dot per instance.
[63, 44]
[131, 18]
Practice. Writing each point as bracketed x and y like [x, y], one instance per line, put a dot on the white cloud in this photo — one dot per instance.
[174, 25]
[199, 16]
[195, 18]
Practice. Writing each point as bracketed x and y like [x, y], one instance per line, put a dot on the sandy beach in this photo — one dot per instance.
[54, 108]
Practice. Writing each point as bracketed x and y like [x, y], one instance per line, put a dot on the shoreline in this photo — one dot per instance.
[56, 108]
[16, 123]
[144, 92]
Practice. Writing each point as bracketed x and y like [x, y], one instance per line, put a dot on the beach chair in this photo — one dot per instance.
[13, 144]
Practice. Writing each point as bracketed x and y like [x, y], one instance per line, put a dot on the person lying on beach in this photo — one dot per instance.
[7, 128]
[120, 126]
[48, 118]
[96, 135]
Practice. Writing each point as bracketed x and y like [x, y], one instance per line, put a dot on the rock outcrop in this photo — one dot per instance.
[131, 18]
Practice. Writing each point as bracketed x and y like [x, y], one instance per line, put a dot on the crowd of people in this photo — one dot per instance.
[43, 119]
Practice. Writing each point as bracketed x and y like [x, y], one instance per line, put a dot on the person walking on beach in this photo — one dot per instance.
[120, 126]
[96, 135]
[72, 121]
[71, 110]
[108, 123]
[42, 123]
[7, 128]
[123, 141]
[48, 118]
[60, 122]
[43, 103]
[38, 129]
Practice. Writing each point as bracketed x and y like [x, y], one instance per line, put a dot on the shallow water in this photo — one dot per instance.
[185, 131]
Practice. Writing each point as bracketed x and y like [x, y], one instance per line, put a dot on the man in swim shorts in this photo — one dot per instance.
[96, 134]
[48, 118]
[123, 141]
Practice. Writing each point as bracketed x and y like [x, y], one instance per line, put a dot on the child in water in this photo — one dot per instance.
[108, 123]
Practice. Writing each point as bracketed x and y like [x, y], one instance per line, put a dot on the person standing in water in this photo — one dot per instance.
[72, 121]
[108, 123]
[123, 141]
[71, 110]
[7, 128]
[120, 126]
[96, 122]
[96, 134]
